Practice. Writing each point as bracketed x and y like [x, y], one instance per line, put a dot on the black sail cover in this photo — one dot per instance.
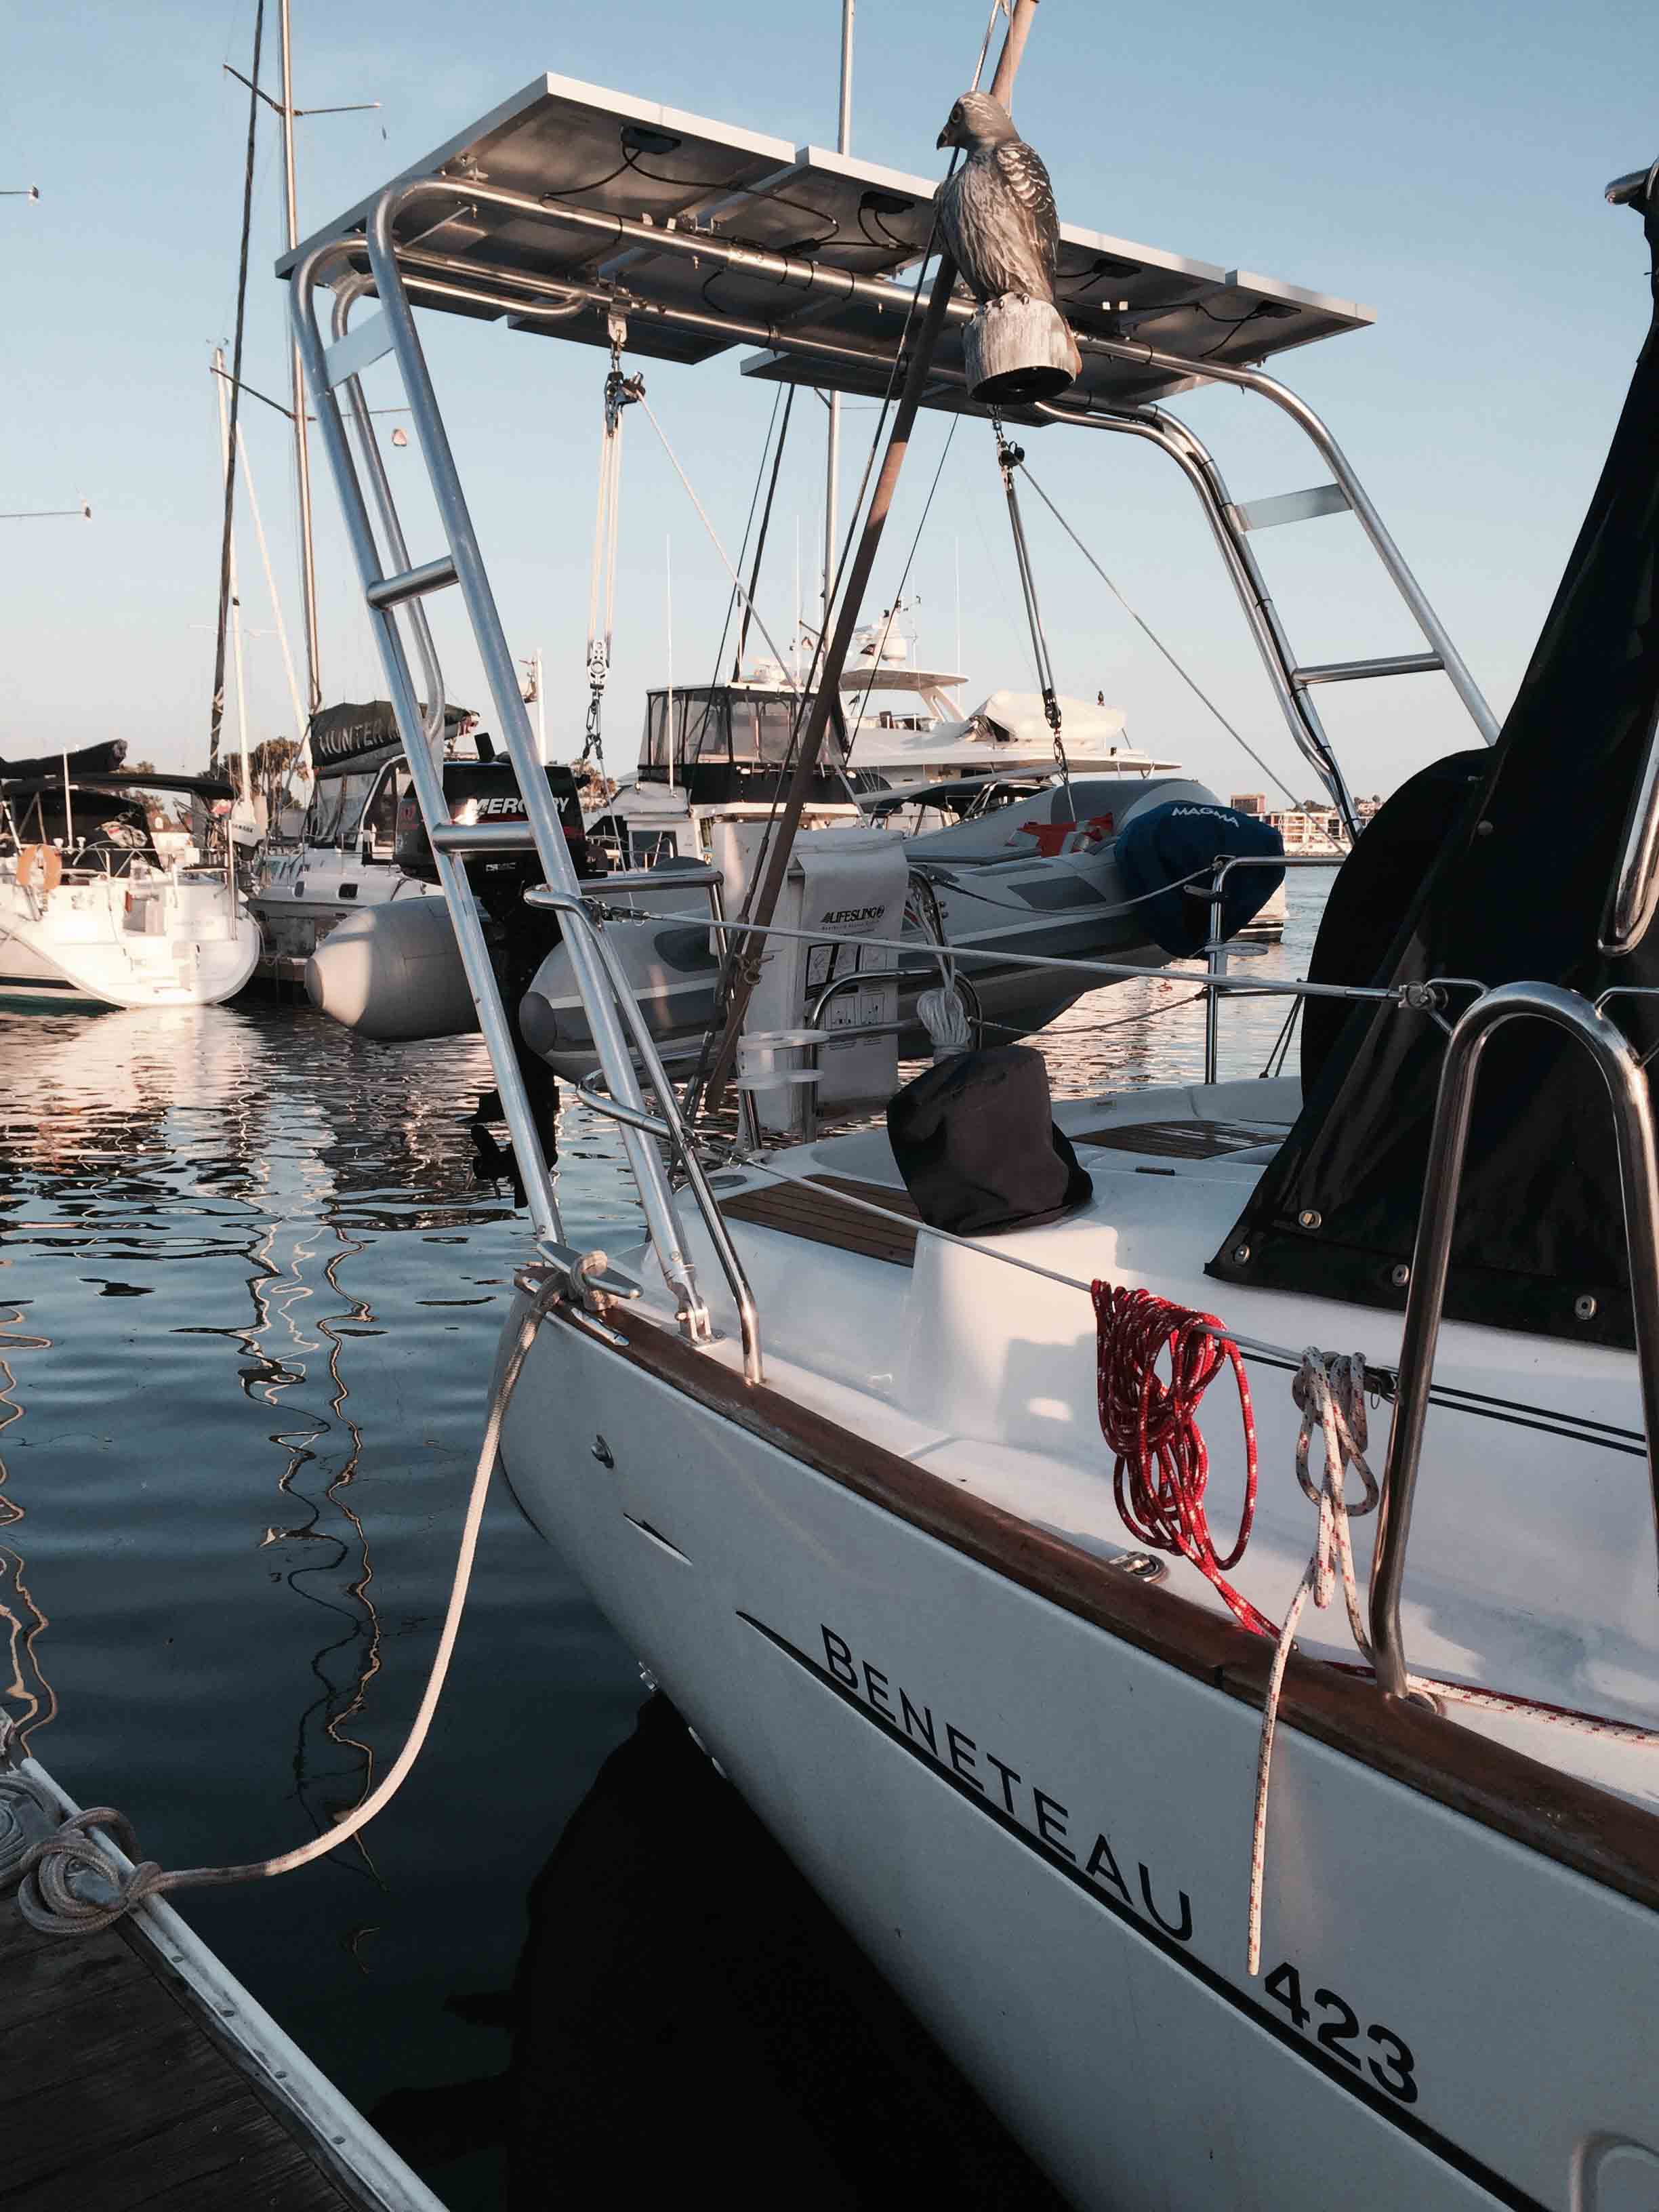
[1520, 891]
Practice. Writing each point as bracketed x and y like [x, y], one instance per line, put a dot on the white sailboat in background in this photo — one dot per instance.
[99, 907]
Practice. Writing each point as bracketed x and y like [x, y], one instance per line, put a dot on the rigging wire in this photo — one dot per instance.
[1148, 632]
[760, 542]
[217, 708]
[714, 536]
[904, 578]
[749, 524]
[1010, 458]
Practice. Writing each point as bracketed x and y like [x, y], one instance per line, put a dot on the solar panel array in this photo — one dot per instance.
[581, 151]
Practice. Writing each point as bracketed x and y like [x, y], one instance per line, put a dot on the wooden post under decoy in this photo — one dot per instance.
[1018, 350]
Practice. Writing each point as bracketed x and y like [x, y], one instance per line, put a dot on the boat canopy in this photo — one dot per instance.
[1522, 889]
[99, 760]
[356, 736]
[639, 204]
[723, 725]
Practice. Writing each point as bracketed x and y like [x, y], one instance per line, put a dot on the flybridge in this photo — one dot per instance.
[569, 205]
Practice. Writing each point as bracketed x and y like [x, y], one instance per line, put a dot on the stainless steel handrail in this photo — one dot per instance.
[1216, 950]
[671, 1128]
[656, 1196]
[662, 1218]
[424, 774]
[1635, 897]
[1620, 1069]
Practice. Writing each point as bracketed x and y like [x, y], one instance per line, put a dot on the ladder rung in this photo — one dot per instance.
[414, 583]
[1289, 507]
[351, 355]
[1353, 672]
[484, 837]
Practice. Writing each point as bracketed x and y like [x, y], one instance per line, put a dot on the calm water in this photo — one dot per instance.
[250, 1288]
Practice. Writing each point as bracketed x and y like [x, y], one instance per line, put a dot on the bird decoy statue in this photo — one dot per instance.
[1000, 224]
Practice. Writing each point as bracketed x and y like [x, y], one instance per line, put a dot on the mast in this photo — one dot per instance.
[832, 457]
[297, 385]
[219, 382]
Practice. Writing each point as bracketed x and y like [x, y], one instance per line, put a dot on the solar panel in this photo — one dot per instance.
[596, 159]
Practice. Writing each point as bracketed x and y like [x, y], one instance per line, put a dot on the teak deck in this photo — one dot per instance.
[114, 2094]
[796, 1209]
[812, 1211]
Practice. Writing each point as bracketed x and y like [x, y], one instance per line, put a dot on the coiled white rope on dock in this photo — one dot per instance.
[48, 1896]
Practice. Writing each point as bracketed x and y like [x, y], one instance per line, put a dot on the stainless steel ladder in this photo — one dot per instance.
[400, 583]
[1232, 523]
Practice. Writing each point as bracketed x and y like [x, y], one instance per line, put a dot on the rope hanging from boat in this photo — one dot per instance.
[53, 1894]
[1162, 1462]
[1330, 1392]
[620, 392]
[1009, 458]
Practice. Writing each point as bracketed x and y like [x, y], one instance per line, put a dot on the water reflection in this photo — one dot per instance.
[29, 1698]
[721, 1992]
[250, 1288]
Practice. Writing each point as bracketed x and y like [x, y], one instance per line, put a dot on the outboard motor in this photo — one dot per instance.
[487, 790]
[393, 970]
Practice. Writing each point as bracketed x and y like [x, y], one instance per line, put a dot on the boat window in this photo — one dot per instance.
[380, 821]
[777, 723]
[704, 732]
[656, 727]
[696, 729]
[647, 846]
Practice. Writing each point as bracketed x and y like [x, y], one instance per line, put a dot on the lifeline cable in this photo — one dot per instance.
[47, 1898]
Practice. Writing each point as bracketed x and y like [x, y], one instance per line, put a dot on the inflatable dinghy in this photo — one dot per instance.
[1102, 878]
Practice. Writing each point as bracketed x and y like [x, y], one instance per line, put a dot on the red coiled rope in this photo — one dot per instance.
[1163, 1462]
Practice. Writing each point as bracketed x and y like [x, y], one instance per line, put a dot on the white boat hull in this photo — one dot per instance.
[298, 897]
[1040, 1829]
[111, 941]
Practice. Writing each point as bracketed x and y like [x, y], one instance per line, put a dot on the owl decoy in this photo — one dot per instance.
[996, 213]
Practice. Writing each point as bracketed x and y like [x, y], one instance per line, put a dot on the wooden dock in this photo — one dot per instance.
[113, 2092]
[136, 2070]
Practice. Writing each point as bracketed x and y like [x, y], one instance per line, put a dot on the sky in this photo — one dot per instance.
[1441, 160]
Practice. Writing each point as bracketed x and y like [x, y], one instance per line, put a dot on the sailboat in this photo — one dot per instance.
[891, 1453]
[100, 908]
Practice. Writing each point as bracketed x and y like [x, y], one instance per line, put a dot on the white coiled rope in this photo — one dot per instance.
[49, 1895]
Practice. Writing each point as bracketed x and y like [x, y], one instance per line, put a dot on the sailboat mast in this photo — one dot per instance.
[220, 380]
[832, 457]
[297, 386]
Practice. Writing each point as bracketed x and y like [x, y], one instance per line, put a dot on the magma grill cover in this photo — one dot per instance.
[1520, 892]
